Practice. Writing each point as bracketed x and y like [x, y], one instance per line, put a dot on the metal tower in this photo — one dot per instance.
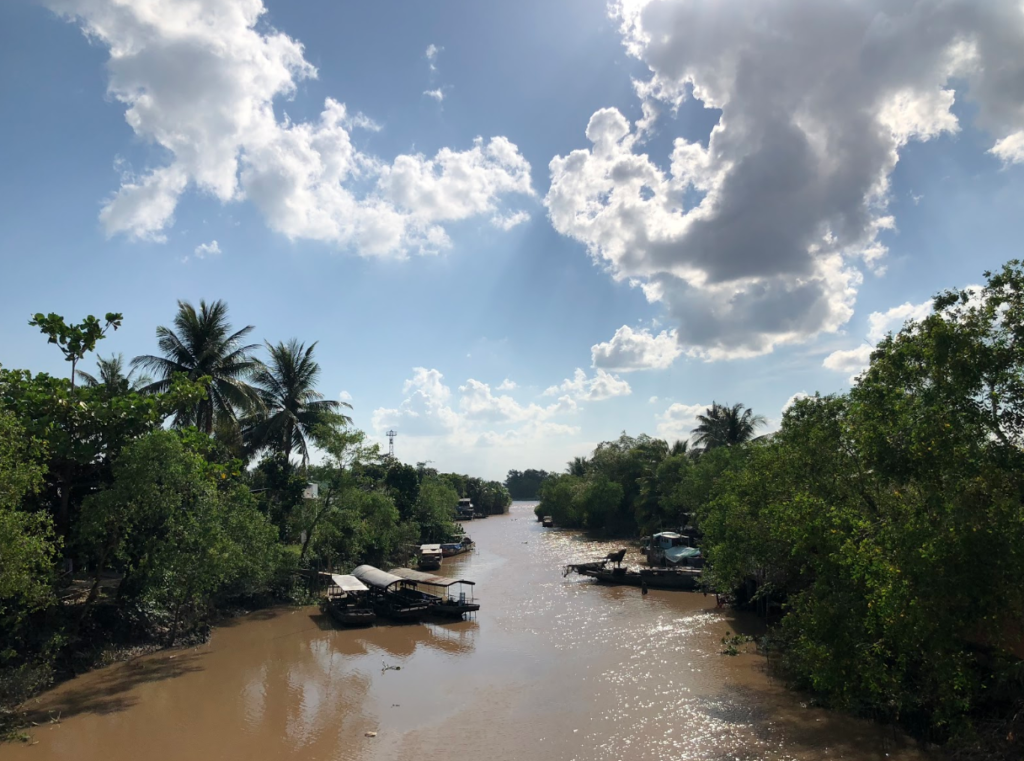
[391, 442]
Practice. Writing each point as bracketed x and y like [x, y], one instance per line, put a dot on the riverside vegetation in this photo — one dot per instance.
[885, 525]
[134, 507]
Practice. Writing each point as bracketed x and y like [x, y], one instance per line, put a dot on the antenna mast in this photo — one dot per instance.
[391, 442]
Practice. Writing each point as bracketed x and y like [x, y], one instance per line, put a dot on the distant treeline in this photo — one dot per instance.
[525, 484]
[885, 525]
[137, 499]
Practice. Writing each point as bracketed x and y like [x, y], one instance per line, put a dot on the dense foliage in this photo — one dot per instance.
[115, 528]
[525, 484]
[885, 524]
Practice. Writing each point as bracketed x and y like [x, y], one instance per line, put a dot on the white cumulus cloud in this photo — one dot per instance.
[603, 385]
[854, 361]
[630, 350]
[207, 249]
[757, 237]
[431, 55]
[200, 80]
[507, 221]
[437, 94]
[678, 421]
[345, 396]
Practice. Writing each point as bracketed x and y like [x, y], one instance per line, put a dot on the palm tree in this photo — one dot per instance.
[578, 466]
[112, 375]
[679, 447]
[292, 408]
[202, 345]
[724, 426]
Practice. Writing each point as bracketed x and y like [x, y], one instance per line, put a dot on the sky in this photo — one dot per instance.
[513, 229]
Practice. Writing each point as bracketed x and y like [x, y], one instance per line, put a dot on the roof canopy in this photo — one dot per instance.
[347, 583]
[427, 578]
[375, 577]
[432, 548]
[669, 535]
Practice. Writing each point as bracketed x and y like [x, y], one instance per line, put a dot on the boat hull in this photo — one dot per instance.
[399, 610]
[686, 580]
[454, 609]
[350, 616]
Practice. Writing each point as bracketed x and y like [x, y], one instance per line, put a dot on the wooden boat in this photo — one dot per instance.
[392, 596]
[655, 578]
[456, 548]
[548, 522]
[465, 511]
[430, 557]
[346, 602]
[438, 591]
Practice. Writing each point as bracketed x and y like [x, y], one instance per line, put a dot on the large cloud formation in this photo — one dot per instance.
[758, 237]
[200, 80]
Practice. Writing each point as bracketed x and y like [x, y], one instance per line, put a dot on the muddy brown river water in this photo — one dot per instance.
[551, 668]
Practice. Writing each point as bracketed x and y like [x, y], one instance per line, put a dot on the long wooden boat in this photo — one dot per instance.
[346, 602]
[687, 579]
[438, 591]
[391, 596]
[450, 549]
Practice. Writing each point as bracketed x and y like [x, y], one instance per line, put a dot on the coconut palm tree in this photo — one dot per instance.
[112, 375]
[292, 408]
[201, 344]
[723, 426]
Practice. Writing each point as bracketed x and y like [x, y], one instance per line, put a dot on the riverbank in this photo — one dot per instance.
[551, 667]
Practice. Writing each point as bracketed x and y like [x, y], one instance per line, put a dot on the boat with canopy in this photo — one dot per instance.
[392, 596]
[347, 601]
[438, 590]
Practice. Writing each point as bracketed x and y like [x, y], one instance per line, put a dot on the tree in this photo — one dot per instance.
[434, 509]
[75, 341]
[724, 426]
[111, 374]
[27, 543]
[179, 528]
[292, 408]
[201, 345]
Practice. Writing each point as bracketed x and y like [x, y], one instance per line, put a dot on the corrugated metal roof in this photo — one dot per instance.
[427, 578]
[669, 535]
[375, 577]
[348, 583]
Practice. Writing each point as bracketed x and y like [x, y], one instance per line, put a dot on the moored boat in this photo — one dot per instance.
[346, 602]
[392, 596]
[548, 521]
[667, 548]
[456, 548]
[430, 557]
[686, 579]
[438, 589]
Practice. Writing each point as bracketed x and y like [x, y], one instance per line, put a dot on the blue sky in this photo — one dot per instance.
[415, 186]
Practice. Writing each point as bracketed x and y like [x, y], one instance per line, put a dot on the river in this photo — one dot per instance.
[551, 668]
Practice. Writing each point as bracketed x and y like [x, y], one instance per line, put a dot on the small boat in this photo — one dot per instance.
[668, 548]
[687, 579]
[548, 522]
[465, 511]
[346, 602]
[457, 548]
[430, 557]
[392, 596]
[439, 594]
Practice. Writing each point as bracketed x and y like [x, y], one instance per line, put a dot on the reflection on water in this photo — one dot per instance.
[552, 668]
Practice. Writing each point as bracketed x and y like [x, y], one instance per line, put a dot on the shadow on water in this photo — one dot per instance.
[108, 691]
